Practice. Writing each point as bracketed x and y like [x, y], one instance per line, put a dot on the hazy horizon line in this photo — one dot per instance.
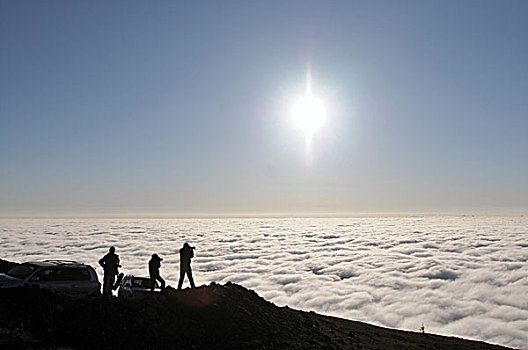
[205, 215]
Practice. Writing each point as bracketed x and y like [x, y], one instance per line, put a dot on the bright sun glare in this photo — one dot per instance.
[308, 114]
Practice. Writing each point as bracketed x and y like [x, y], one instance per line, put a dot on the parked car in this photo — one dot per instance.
[135, 287]
[63, 275]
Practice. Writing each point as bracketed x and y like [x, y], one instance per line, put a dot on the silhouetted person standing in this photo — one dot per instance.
[186, 253]
[154, 266]
[110, 264]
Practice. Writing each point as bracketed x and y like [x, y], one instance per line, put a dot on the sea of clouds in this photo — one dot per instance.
[457, 275]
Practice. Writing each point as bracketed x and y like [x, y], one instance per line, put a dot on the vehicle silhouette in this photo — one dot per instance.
[63, 275]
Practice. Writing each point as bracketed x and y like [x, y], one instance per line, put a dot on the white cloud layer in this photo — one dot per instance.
[462, 276]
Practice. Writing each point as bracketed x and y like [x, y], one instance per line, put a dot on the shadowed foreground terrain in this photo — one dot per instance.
[213, 316]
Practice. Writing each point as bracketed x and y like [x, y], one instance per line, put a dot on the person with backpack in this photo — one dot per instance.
[110, 265]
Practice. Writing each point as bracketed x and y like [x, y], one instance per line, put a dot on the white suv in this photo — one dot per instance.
[64, 275]
[135, 287]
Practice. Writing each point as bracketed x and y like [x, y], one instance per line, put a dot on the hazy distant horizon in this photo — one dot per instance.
[241, 215]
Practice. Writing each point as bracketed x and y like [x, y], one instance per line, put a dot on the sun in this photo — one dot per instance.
[308, 114]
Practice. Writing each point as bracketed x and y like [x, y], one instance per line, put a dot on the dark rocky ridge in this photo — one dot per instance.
[213, 316]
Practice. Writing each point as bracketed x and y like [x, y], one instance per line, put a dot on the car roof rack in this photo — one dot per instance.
[59, 261]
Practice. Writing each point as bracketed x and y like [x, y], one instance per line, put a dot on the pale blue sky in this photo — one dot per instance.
[129, 107]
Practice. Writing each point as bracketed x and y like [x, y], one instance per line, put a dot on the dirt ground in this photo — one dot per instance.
[208, 317]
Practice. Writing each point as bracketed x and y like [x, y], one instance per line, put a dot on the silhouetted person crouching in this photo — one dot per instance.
[186, 253]
[154, 266]
[110, 264]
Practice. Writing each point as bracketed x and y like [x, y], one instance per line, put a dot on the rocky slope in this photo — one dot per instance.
[214, 316]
